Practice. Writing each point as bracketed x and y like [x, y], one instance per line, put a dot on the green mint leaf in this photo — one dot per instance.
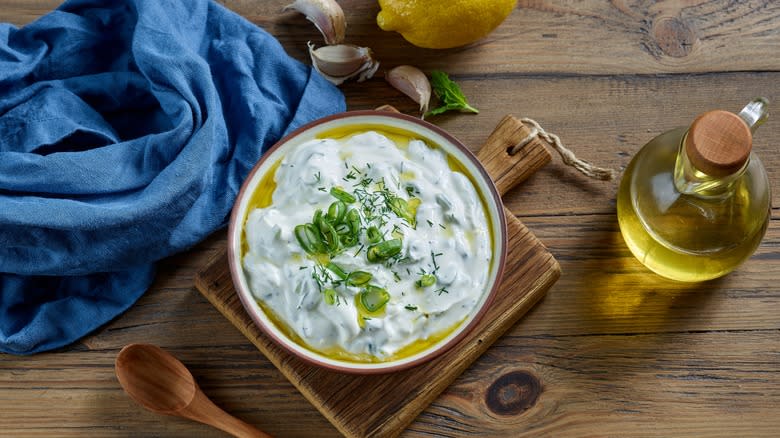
[450, 96]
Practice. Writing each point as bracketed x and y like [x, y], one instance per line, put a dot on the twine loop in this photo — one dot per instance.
[567, 155]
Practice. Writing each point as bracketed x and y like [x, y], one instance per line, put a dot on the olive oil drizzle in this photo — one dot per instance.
[263, 196]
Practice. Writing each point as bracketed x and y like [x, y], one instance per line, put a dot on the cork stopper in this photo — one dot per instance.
[718, 143]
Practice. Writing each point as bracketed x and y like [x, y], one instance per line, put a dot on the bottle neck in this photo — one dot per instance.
[689, 180]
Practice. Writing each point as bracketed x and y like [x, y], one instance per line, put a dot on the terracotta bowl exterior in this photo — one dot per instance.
[360, 120]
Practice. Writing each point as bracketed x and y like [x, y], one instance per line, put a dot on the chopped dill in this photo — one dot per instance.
[433, 258]
[350, 176]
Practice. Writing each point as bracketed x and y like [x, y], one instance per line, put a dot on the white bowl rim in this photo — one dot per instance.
[393, 120]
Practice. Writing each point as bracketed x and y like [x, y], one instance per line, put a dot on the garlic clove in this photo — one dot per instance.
[412, 82]
[343, 61]
[339, 60]
[326, 15]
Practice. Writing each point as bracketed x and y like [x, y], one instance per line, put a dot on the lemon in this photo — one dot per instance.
[441, 24]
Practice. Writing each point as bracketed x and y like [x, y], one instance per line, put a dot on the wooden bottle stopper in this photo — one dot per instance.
[718, 143]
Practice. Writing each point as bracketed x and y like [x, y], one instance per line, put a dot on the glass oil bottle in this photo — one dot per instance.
[694, 203]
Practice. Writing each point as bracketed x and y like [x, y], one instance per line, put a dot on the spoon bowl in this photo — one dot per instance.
[158, 381]
[178, 389]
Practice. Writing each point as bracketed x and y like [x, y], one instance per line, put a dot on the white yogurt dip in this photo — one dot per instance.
[414, 199]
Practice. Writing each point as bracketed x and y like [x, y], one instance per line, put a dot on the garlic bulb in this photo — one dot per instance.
[412, 82]
[343, 61]
[327, 15]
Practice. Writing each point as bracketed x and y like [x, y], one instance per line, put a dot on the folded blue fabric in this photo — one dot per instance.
[126, 130]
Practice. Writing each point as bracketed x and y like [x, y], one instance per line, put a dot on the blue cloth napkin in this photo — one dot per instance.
[126, 130]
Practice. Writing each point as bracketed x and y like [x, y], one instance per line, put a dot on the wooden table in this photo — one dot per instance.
[612, 350]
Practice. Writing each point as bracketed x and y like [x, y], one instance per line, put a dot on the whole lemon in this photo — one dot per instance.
[441, 24]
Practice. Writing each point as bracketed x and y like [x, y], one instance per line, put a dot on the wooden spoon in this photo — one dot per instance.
[159, 382]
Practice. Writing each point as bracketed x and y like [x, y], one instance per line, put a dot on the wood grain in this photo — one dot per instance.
[593, 37]
[631, 385]
[614, 350]
[159, 382]
[512, 153]
[509, 156]
[562, 37]
[395, 399]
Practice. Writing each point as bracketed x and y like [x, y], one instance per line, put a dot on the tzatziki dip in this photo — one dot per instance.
[369, 247]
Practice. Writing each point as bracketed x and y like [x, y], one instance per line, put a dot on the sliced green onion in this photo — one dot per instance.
[330, 296]
[341, 195]
[336, 269]
[343, 229]
[336, 212]
[398, 205]
[353, 220]
[358, 278]
[403, 209]
[353, 215]
[426, 280]
[348, 240]
[373, 234]
[317, 216]
[374, 298]
[397, 233]
[383, 250]
[309, 238]
[330, 236]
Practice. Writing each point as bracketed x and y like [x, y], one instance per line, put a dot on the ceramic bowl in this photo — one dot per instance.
[362, 120]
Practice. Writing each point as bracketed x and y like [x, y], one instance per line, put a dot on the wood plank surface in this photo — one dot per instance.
[592, 37]
[612, 350]
[572, 37]
[398, 398]
[395, 399]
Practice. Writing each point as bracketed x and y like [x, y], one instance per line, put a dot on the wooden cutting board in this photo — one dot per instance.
[383, 405]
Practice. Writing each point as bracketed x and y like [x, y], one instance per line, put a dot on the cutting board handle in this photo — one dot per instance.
[512, 153]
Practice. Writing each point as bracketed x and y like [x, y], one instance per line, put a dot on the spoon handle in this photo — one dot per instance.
[202, 409]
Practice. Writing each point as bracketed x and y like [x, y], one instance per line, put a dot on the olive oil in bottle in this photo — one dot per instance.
[694, 203]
